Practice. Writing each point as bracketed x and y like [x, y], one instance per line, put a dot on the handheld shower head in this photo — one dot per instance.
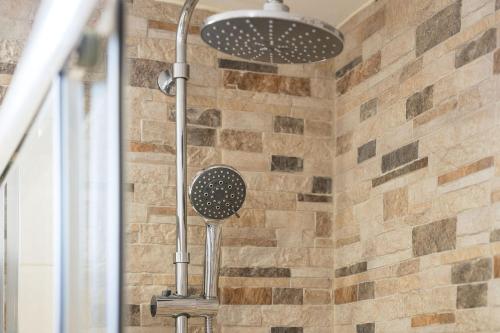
[272, 35]
[217, 192]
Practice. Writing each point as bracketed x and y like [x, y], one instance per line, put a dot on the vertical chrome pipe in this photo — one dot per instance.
[181, 76]
[211, 271]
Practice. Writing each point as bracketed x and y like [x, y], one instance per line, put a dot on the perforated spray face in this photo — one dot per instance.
[272, 37]
[217, 192]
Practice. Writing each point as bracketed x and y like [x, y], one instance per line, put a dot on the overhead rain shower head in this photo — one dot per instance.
[272, 35]
[217, 192]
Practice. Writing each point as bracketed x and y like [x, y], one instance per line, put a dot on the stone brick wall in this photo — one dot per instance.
[272, 123]
[416, 224]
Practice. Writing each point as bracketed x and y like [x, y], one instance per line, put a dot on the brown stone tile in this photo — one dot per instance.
[318, 128]
[288, 125]
[346, 294]
[139, 147]
[286, 163]
[302, 197]
[474, 49]
[466, 170]
[263, 272]
[417, 165]
[274, 84]
[247, 66]
[348, 67]
[161, 25]
[434, 237]
[324, 224]
[495, 196]
[472, 296]
[208, 117]
[360, 73]
[351, 270]
[438, 28]
[346, 241]
[476, 270]
[292, 296]
[419, 102]
[199, 136]
[246, 296]
[395, 203]
[496, 61]
[257, 242]
[240, 140]
[497, 267]
[344, 143]
[441, 109]
[433, 319]
[400, 157]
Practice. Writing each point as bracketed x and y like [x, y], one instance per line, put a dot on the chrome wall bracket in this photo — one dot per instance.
[166, 79]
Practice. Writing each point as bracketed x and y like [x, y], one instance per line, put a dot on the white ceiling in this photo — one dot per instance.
[331, 11]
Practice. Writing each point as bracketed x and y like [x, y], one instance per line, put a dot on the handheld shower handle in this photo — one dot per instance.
[212, 260]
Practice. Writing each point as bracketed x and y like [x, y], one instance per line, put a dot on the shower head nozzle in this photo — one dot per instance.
[272, 35]
[217, 192]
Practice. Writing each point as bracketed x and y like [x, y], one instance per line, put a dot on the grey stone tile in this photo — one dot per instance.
[368, 109]
[144, 73]
[367, 151]
[365, 328]
[472, 296]
[357, 268]
[439, 28]
[292, 296]
[472, 271]
[7, 68]
[287, 330]
[132, 315]
[322, 185]
[286, 163]
[313, 198]
[417, 165]
[419, 102]
[495, 236]
[288, 125]
[208, 117]
[204, 137]
[269, 272]
[324, 224]
[434, 237]
[366, 290]
[399, 157]
[486, 43]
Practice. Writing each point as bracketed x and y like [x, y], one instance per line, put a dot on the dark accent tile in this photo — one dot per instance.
[246, 296]
[367, 151]
[486, 43]
[365, 328]
[247, 66]
[322, 185]
[399, 157]
[476, 270]
[472, 296]
[417, 165]
[360, 267]
[301, 197]
[266, 83]
[209, 117]
[286, 163]
[366, 290]
[204, 137]
[144, 73]
[132, 315]
[287, 330]
[368, 109]
[360, 73]
[7, 68]
[434, 237]
[139, 147]
[344, 143]
[346, 295]
[288, 125]
[345, 69]
[292, 296]
[410, 69]
[495, 236]
[269, 272]
[241, 140]
[324, 224]
[419, 102]
[255, 242]
[497, 4]
[438, 28]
